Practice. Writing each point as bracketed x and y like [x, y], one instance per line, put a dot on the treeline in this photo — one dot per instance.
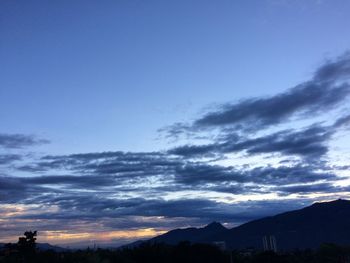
[182, 253]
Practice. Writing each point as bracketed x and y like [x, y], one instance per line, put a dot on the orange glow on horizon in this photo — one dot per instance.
[64, 236]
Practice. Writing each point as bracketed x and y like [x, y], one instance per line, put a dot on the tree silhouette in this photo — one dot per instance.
[27, 243]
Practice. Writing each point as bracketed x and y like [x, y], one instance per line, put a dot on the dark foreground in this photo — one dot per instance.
[181, 253]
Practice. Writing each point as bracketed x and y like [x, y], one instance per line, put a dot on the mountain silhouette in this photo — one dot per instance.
[325, 222]
[43, 247]
[192, 234]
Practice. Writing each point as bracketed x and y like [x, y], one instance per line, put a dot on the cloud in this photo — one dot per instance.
[136, 186]
[13, 190]
[15, 141]
[310, 142]
[198, 174]
[89, 208]
[256, 114]
[71, 181]
[162, 172]
[326, 90]
[207, 150]
[88, 199]
[334, 70]
[342, 122]
[118, 163]
[308, 188]
[84, 206]
[92, 213]
[9, 158]
[159, 172]
[95, 214]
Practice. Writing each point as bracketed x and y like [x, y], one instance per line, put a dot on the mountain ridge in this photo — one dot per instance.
[42, 247]
[308, 227]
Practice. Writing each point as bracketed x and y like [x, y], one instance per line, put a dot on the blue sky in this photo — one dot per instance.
[92, 76]
[89, 77]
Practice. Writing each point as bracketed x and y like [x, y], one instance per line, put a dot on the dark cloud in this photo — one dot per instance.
[14, 190]
[342, 122]
[86, 199]
[117, 163]
[88, 192]
[9, 158]
[87, 207]
[334, 70]
[41, 189]
[90, 215]
[255, 114]
[127, 172]
[11, 189]
[308, 188]
[13, 141]
[198, 174]
[284, 175]
[207, 150]
[310, 142]
[324, 91]
[71, 181]
[145, 212]
[238, 123]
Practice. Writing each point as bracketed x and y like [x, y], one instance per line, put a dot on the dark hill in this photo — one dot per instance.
[194, 235]
[327, 222]
[305, 228]
[41, 246]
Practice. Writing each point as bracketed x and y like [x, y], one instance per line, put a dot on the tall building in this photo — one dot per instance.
[269, 243]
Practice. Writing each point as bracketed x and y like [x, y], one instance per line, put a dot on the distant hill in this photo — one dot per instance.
[326, 222]
[47, 246]
[43, 247]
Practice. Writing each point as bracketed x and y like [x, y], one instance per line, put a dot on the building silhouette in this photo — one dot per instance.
[220, 244]
[269, 243]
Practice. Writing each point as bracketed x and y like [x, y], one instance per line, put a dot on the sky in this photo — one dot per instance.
[122, 119]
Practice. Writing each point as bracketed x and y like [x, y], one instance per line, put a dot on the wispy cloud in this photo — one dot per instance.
[325, 90]
[15, 141]
[310, 142]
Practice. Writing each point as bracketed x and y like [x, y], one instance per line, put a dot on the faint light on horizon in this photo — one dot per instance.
[58, 237]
